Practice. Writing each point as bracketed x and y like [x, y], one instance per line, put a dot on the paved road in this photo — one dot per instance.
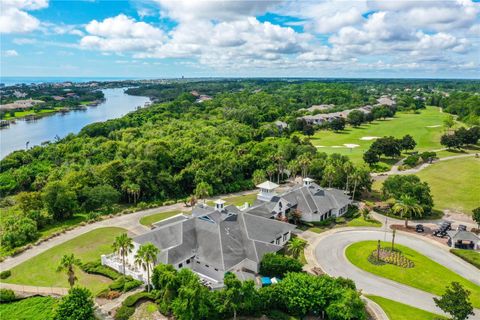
[329, 253]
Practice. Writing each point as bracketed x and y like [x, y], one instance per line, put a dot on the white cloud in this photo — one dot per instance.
[188, 10]
[121, 33]
[14, 17]
[10, 53]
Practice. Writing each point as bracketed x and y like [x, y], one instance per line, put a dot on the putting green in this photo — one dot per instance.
[426, 128]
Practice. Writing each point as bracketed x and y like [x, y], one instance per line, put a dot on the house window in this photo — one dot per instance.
[188, 261]
[216, 269]
[285, 236]
[180, 265]
[198, 262]
[207, 266]
[277, 241]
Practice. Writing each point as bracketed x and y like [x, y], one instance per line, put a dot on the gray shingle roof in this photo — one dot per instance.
[220, 238]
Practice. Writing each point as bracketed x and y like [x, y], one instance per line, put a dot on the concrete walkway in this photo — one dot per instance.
[33, 290]
[327, 251]
[394, 170]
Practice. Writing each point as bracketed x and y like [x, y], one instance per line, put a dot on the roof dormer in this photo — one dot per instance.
[267, 190]
[219, 204]
[307, 182]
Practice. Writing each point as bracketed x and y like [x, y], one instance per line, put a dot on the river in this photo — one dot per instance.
[116, 105]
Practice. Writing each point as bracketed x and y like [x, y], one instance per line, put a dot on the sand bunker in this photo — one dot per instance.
[368, 138]
[337, 146]
[319, 146]
[435, 126]
[351, 145]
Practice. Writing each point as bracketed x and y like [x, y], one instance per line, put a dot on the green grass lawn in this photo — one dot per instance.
[399, 311]
[419, 126]
[470, 256]
[455, 184]
[340, 223]
[427, 275]
[34, 308]
[41, 269]
[24, 113]
[149, 220]
[238, 200]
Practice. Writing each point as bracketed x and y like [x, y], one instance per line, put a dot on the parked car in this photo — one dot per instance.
[462, 227]
[419, 228]
[442, 229]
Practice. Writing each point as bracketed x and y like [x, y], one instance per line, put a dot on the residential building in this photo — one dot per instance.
[313, 202]
[210, 242]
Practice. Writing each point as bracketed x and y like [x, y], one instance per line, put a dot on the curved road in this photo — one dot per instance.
[330, 256]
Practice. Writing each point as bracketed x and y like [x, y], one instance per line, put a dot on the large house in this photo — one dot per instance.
[210, 242]
[215, 240]
[313, 202]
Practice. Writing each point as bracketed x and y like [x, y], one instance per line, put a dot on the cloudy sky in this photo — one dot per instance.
[171, 38]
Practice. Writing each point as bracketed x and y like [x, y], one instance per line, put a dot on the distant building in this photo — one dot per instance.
[386, 101]
[321, 107]
[322, 118]
[21, 104]
[202, 98]
[281, 125]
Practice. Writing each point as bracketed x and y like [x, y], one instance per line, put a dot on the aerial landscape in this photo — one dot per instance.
[239, 159]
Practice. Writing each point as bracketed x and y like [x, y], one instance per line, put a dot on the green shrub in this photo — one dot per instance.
[95, 267]
[5, 274]
[275, 265]
[130, 301]
[470, 256]
[277, 315]
[411, 160]
[124, 313]
[124, 284]
[7, 295]
[130, 285]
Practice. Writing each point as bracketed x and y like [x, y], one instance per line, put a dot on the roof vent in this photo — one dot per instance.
[219, 204]
[307, 181]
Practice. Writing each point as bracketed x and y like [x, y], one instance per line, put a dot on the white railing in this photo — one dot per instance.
[114, 262]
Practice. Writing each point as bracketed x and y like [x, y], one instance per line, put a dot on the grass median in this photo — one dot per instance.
[426, 275]
[399, 311]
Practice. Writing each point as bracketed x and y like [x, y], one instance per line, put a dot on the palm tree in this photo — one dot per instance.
[203, 190]
[146, 257]
[356, 177]
[296, 246]
[68, 264]
[123, 245]
[347, 168]
[407, 207]
[304, 161]
[329, 174]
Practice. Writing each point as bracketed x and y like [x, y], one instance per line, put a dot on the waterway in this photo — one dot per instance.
[116, 104]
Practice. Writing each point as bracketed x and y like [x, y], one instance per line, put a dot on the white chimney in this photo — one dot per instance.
[307, 181]
[266, 190]
[219, 204]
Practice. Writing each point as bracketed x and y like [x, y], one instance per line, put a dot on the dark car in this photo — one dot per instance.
[442, 229]
[419, 228]
[462, 227]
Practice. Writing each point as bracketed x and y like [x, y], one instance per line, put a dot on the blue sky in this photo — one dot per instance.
[171, 38]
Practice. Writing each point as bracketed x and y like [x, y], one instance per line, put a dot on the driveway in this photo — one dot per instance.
[329, 253]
